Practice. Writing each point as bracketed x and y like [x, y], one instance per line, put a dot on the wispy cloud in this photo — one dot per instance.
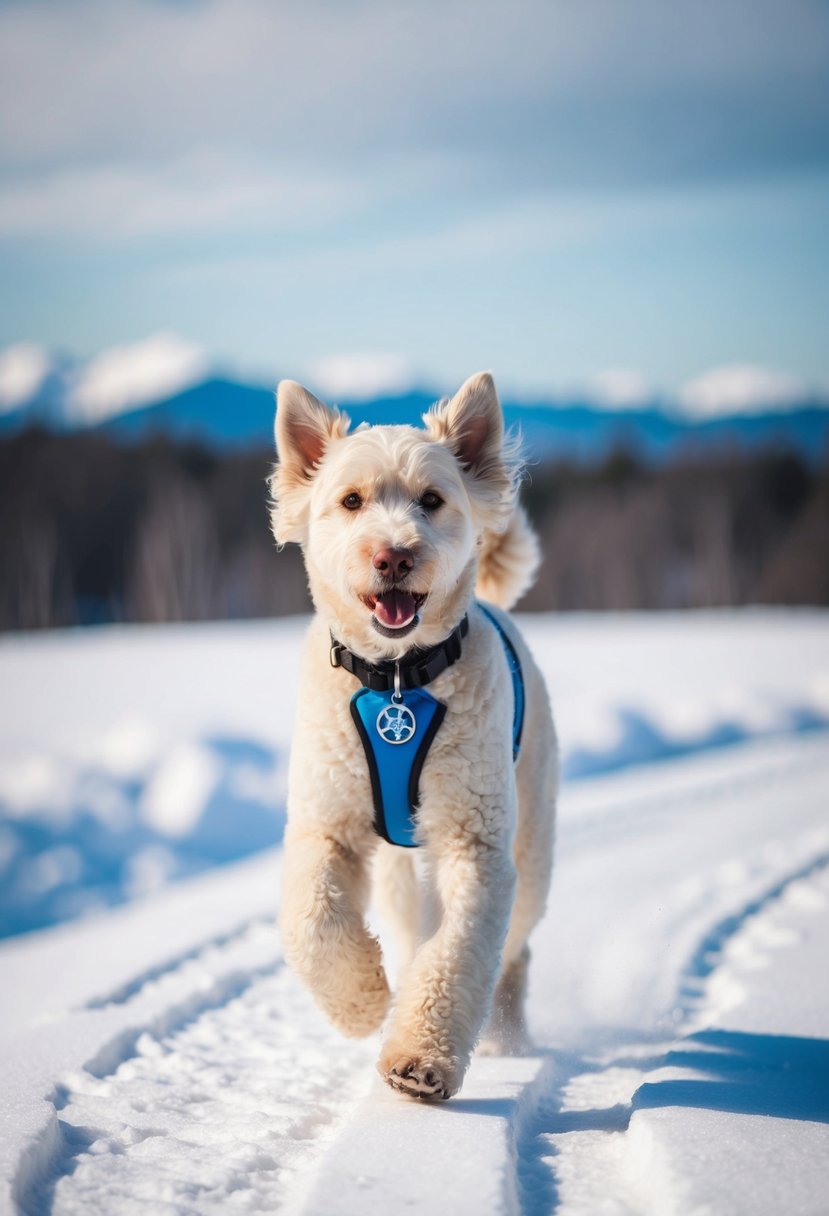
[569, 94]
[195, 194]
[491, 231]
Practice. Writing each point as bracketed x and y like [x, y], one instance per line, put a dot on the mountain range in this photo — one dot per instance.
[172, 390]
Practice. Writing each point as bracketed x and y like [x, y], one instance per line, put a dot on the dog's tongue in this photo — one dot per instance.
[395, 609]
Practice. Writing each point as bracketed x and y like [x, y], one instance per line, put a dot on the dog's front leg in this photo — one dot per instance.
[324, 890]
[446, 992]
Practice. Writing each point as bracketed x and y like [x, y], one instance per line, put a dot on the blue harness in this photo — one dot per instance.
[397, 727]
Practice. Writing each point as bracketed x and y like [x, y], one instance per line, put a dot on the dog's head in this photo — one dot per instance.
[391, 518]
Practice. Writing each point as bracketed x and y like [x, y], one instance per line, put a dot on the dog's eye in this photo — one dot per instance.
[430, 501]
[352, 501]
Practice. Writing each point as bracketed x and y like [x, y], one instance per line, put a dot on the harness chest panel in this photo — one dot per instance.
[395, 753]
[397, 730]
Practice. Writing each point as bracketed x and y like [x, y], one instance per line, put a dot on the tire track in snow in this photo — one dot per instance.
[151, 975]
[635, 799]
[215, 995]
[242, 1064]
[221, 1114]
[581, 1148]
[710, 954]
[168, 999]
[595, 1098]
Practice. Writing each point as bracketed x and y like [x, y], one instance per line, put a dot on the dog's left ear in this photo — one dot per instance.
[304, 427]
[471, 424]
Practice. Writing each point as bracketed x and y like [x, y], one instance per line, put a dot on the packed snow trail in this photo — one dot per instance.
[678, 1001]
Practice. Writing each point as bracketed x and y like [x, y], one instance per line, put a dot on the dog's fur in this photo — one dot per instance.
[485, 824]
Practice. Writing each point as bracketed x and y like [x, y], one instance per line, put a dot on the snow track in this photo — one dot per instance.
[678, 1002]
[211, 1116]
[195, 1102]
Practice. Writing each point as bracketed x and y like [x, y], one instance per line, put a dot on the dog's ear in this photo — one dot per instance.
[471, 424]
[303, 429]
[472, 427]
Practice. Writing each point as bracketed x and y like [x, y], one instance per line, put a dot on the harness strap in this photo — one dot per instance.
[517, 675]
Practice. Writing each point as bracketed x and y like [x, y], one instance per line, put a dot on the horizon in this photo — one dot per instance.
[134, 375]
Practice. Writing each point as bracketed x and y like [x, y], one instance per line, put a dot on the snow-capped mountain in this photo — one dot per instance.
[37, 386]
[167, 384]
[24, 370]
[125, 378]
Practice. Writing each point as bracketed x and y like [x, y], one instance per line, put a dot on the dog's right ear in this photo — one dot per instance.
[303, 429]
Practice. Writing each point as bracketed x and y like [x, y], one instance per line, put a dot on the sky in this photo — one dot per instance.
[630, 196]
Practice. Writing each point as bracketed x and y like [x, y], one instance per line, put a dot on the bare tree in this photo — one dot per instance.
[174, 567]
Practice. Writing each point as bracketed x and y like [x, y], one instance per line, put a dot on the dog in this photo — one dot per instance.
[402, 528]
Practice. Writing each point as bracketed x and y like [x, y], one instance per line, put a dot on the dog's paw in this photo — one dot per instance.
[419, 1077]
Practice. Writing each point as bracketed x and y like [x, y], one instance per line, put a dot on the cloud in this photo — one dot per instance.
[547, 93]
[359, 376]
[195, 194]
[350, 162]
[742, 389]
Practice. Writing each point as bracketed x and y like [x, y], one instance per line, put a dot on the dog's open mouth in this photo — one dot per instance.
[394, 612]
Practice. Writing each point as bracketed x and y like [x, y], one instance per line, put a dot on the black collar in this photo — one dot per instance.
[415, 669]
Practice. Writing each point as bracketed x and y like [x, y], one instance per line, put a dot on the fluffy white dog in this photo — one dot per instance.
[401, 528]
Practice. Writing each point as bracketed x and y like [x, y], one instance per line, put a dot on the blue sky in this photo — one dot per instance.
[546, 188]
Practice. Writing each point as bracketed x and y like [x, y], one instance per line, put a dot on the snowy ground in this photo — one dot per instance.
[160, 1058]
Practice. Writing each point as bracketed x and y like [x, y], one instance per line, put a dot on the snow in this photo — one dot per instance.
[122, 378]
[153, 753]
[742, 388]
[160, 1057]
[359, 376]
[117, 380]
[620, 388]
[132, 375]
[24, 369]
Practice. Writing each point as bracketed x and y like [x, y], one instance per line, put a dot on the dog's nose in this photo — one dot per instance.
[394, 563]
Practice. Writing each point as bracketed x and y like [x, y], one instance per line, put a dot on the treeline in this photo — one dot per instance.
[696, 533]
[92, 531]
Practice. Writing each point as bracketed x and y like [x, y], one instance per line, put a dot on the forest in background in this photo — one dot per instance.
[93, 531]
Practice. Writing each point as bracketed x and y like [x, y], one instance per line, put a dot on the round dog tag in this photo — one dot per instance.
[396, 724]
